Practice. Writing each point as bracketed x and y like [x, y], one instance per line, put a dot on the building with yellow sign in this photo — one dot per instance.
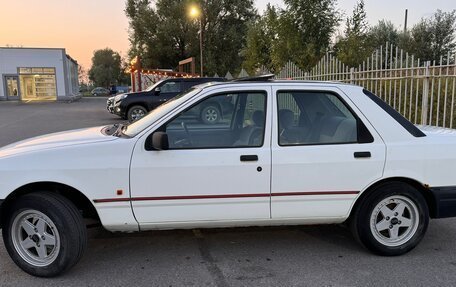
[37, 74]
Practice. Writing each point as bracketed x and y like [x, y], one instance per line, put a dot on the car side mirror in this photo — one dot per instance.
[160, 141]
[157, 90]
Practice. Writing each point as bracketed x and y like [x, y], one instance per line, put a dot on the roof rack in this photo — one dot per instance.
[261, 78]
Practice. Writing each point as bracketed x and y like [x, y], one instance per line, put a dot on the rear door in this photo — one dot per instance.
[324, 152]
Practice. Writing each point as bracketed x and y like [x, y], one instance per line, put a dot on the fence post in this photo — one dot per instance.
[425, 103]
[352, 76]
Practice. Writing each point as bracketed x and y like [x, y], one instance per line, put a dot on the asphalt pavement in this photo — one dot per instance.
[267, 256]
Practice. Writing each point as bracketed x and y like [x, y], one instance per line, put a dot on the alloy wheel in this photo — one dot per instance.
[35, 238]
[394, 220]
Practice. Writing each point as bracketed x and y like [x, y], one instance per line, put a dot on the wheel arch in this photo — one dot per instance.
[422, 188]
[81, 202]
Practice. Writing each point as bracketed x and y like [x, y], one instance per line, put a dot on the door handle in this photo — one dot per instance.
[252, 157]
[362, 154]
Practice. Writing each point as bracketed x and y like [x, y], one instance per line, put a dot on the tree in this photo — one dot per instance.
[383, 32]
[171, 36]
[300, 33]
[82, 75]
[106, 68]
[125, 77]
[225, 29]
[353, 48]
[307, 28]
[143, 22]
[261, 41]
[434, 37]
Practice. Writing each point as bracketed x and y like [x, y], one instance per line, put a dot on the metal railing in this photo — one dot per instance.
[423, 92]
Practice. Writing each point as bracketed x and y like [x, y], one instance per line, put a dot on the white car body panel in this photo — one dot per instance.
[99, 166]
[81, 159]
[201, 174]
[335, 163]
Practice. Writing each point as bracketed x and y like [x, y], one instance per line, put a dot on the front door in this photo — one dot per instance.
[211, 172]
[12, 87]
[324, 154]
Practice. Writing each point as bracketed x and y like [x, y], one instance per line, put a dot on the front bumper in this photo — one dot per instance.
[110, 105]
[445, 201]
[118, 109]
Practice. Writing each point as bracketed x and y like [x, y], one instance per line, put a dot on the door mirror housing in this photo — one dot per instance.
[159, 141]
[157, 90]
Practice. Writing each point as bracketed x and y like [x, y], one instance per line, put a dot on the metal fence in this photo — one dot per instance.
[424, 92]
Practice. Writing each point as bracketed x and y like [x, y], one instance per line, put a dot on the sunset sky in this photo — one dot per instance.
[82, 26]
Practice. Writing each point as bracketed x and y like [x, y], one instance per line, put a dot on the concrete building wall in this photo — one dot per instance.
[13, 58]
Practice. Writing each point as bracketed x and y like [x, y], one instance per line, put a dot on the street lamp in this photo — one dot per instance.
[195, 13]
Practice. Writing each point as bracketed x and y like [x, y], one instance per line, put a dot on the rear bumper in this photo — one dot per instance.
[445, 201]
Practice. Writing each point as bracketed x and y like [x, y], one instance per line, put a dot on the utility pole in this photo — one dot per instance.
[196, 13]
[201, 46]
[405, 23]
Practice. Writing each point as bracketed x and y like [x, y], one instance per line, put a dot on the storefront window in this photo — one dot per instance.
[38, 83]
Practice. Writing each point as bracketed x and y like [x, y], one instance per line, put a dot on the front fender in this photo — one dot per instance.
[97, 170]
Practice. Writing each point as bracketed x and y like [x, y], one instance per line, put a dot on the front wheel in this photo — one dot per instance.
[135, 113]
[211, 115]
[44, 234]
[392, 219]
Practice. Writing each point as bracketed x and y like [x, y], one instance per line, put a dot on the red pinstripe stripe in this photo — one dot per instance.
[218, 196]
[313, 193]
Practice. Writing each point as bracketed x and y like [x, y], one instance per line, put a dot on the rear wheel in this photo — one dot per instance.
[392, 219]
[44, 234]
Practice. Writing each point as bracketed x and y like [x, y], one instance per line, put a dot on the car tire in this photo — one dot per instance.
[391, 220]
[135, 113]
[210, 115]
[44, 234]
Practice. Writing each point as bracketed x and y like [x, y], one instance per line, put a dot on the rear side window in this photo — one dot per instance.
[309, 118]
[171, 87]
[411, 128]
[188, 84]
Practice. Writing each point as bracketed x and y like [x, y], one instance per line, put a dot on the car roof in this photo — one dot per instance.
[269, 81]
[206, 79]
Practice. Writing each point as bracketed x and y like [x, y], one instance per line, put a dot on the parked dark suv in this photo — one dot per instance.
[133, 106]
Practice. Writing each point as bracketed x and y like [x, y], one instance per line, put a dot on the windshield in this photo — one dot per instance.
[140, 125]
[154, 86]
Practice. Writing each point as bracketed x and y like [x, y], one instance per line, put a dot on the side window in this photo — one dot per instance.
[307, 118]
[170, 87]
[187, 85]
[223, 121]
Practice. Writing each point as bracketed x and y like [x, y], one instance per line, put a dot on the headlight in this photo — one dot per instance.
[120, 97]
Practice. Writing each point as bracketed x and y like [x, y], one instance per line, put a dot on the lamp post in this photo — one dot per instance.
[195, 13]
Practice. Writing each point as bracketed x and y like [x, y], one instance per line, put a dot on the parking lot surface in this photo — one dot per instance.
[276, 256]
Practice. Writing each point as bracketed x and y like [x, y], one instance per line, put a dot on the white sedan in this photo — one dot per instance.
[288, 153]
